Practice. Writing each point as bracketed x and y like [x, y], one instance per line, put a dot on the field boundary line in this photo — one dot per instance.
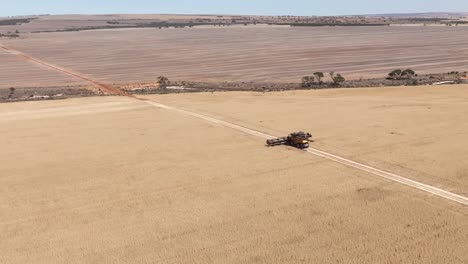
[326, 155]
[106, 87]
[350, 163]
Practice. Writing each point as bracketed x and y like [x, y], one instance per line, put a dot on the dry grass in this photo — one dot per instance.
[419, 132]
[251, 53]
[80, 182]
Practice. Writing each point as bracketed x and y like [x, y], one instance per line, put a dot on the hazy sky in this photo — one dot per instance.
[260, 7]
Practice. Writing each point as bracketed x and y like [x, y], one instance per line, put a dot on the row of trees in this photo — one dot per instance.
[317, 79]
[337, 79]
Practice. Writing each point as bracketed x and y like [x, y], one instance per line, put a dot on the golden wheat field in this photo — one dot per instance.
[117, 180]
[187, 178]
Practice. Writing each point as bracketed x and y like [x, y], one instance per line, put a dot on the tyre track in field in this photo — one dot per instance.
[106, 87]
[350, 163]
[326, 155]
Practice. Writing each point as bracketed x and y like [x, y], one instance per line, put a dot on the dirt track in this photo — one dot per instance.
[248, 54]
[116, 180]
[59, 70]
[17, 72]
[418, 132]
[145, 184]
[387, 175]
[323, 154]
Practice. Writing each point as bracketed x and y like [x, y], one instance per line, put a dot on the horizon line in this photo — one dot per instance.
[232, 14]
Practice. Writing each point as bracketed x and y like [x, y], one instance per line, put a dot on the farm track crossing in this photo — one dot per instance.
[375, 171]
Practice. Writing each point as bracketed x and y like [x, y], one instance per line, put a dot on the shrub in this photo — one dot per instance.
[319, 76]
[337, 78]
[12, 91]
[163, 82]
[308, 81]
[412, 82]
[408, 73]
[395, 74]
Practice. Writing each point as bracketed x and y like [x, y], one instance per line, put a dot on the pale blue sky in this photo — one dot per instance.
[251, 7]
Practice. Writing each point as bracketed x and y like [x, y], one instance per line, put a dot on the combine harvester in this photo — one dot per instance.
[298, 140]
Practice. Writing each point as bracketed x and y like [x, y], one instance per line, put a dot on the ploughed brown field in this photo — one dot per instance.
[17, 72]
[116, 180]
[240, 53]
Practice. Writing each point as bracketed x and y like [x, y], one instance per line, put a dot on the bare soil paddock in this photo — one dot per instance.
[16, 72]
[252, 53]
[115, 180]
